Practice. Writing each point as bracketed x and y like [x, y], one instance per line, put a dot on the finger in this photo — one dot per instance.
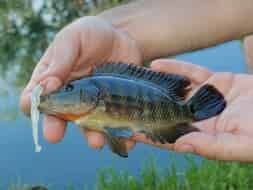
[223, 82]
[207, 125]
[195, 73]
[65, 52]
[95, 139]
[54, 129]
[223, 146]
[40, 68]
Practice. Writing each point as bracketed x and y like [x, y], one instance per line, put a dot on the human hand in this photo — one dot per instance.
[228, 136]
[86, 42]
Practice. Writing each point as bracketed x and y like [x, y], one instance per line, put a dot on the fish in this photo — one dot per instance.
[121, 100]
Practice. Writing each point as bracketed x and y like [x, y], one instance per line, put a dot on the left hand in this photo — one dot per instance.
[78, 47]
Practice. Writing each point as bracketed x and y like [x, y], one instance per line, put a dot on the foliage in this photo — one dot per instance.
[28, 26]
[210, 175]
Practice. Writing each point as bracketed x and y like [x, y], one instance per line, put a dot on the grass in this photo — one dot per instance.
[209, 175]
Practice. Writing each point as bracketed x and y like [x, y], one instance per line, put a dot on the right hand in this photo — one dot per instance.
[76, 48]
[229, 135]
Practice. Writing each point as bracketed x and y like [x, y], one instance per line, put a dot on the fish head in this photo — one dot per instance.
[72, 101]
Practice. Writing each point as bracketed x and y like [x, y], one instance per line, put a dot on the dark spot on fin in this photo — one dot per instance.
[117, 145]
[176, 85]
[170, 135]
[206, 102]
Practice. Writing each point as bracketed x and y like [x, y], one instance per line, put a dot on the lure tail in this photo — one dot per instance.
[206, 103]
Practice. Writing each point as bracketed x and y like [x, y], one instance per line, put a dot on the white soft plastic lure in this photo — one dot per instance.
[35, 101]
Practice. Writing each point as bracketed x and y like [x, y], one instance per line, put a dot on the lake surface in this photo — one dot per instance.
[72, 161]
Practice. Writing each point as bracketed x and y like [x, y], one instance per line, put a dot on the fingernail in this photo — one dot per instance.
[185, 148]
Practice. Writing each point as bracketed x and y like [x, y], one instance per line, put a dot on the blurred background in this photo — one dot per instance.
[26, 29]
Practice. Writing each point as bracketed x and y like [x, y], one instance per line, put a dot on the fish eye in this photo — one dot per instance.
[69, 88]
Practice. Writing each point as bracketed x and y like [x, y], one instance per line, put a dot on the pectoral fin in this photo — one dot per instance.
[117, 145]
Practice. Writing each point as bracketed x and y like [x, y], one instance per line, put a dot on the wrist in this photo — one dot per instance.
[121, 19]
[126, 47]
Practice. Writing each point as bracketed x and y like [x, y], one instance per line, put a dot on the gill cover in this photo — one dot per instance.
[72, 101]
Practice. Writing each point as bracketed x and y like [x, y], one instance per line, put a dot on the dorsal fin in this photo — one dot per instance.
[176, 85]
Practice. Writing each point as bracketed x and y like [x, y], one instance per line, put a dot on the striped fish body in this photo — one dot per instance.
[125, 99]
[135, 105]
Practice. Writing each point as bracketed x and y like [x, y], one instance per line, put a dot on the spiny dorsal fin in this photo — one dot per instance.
[176, 85]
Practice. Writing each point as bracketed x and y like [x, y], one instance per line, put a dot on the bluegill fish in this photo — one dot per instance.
[120, 100]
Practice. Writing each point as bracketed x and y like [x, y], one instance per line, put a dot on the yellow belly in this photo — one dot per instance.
[99, 118]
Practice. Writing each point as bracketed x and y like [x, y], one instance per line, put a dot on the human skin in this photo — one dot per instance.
[168, 27]
[248, 49]
[133, 33]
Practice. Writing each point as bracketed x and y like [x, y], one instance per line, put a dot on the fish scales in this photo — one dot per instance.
[129, 94]
[121, 99]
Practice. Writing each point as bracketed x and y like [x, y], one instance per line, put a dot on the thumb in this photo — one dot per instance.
[223, 146]
[64, 54]
[54, 67]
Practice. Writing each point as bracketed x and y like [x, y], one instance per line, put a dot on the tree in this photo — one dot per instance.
[28, 26]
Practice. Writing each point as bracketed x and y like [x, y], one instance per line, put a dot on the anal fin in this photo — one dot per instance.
[115, 140]
[117, 146]
[171, 134]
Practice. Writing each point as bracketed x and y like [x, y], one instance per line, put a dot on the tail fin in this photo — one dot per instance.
[206, 103]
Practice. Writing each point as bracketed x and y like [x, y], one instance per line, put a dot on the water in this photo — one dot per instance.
[72, 161]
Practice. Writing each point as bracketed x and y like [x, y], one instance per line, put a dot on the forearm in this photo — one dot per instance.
[168, 27]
